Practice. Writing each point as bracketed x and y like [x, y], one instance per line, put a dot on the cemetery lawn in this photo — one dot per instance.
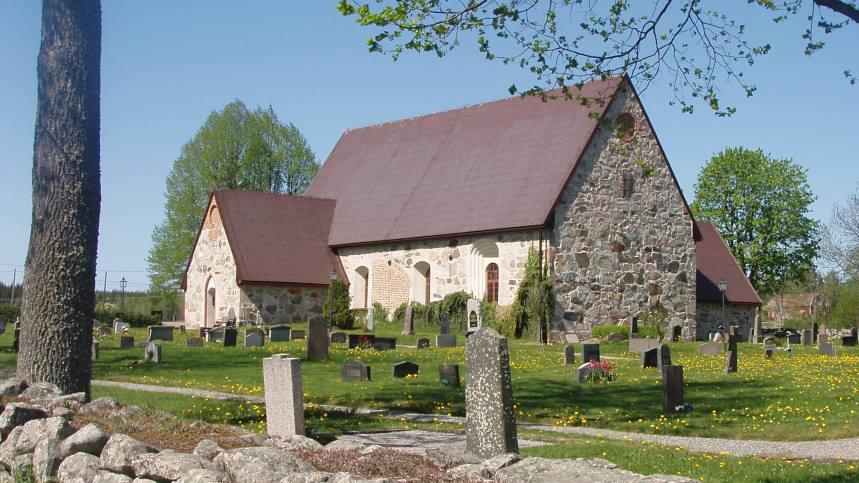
[787, 398]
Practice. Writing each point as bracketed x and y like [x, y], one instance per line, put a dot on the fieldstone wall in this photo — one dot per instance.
[455, 264]
[709, 318]
[278, 304]
[211, 263]
[622, 236]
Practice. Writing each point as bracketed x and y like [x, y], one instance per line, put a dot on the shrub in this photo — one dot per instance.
[132, 318]
[603, 331]
[380, 314]
[9, 312]
[654, 323]
[534, 299]
[429, 315]
[339, 300]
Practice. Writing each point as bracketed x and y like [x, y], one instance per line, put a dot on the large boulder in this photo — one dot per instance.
[7, 448]
[46, 459]
[78, 468]
[294, 443]
[100, 405]
[41, 391]
[12, 387]
[16, 414]
[165, 466]
[39, 429]
[486, 469]
[119, 453]
[110, 477]
[71, 401]
[89, 439]
[260, 464]
[590, 470]
[208, 449]
[204, 476]
[345, 444]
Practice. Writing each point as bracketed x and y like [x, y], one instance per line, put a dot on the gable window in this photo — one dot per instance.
[492, 282]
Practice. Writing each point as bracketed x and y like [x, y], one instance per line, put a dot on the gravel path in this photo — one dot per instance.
[833, 450]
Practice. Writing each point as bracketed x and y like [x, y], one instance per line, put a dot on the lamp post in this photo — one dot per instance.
[122, 284]
[723, 286]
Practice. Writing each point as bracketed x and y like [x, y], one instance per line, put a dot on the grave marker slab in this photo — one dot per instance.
[216, 334]
[768, 352]
[616, 337]
[641, 345]
[119, 327]
[152, 353]
[633, 328]
[371, 319]
[230, 336]
[254, 338]
[444, 323]
[409, 320]
[848, 341]
[297, 334]
[474, 320]
[279, 333]
[126, 342]
[384, 343]
[284, 395]
[361, 340]
[95, 350]
[590, 352]
[405, 369]
[317, 340]
[355, 371]
[710, 349]
[806, 339]
[423, 343]
[794, 338]
[824, 347]
[569, 355]
[650, 358]
[160, 332]
[337, 337]
[672, 388]
[445, 340]
[490, 417]
[194, 342]
[448, 375]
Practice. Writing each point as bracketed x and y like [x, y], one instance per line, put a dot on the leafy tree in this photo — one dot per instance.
[760, 206]
[336, 305]
[235, 149]
[841, 237]
[845, 306]
[59, 289]
[568, 42]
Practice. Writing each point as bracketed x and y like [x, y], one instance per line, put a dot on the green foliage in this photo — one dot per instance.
[845, 306]
[840, 245]
[429, 315]
[653, 323]
[9, 312]
[132, 318]
[534, 299]
[238, 149]
[603, 331]
[337, 301]
[760, 205]
[380, 314]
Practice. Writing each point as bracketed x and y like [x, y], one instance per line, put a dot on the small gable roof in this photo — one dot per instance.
[279, 239]
[716, 263]
[490, 167]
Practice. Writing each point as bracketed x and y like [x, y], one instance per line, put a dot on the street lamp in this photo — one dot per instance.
[122, 284]
[723, 286]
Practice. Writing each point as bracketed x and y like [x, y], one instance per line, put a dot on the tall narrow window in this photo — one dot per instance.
[628, 186]
[492, 282]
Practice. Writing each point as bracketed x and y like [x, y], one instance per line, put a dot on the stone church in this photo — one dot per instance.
[412, 210]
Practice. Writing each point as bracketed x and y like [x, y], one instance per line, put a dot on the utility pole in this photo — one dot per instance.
[14, 275]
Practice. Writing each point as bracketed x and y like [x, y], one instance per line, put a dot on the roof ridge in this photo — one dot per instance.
[284, 195]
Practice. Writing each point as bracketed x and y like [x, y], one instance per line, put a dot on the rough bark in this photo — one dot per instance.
[59, 287]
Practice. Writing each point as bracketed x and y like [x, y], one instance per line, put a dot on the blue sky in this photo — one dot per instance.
[166, 65]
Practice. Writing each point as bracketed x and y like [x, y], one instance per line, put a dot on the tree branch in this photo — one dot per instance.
[839, 6]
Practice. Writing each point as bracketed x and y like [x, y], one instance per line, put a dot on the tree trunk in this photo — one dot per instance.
[59, 287]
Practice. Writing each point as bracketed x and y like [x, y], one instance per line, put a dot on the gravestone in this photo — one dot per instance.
[284, 395]
[16, 342]
[676, 333]
[409, 320]
[569, 355]
[794, 338]
[825, 347]
[814, 330]
[317, 338]
[152, 353]
[769, 340]
[474, 320]
[279, 333]
[360, 340]
[805, 338]
[768, 351]
[444, 323]
[119, 327]
[672, 388]
[731, 354]
[160, 332]
[405, 369]
[633, 328]
[616, 337]
[590, 352]
[371, 319]
[490, 416]
[641, 345]
[230, 336]
[585, 370]
[182, 329]
[216, 334]
[664, 358]
[650, 358]
[445, 340]
[355, 371]
[254, 338]
[448, 375]
[384, 343]
[297, 334]
[822, 337]
[423, 343]
[710, 349]
[126, 342]
[194, 342]
[337, 337]
[95, 350]
[3, 325]
[848, 341]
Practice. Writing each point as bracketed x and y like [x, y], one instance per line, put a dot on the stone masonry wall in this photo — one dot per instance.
[619, 252]
[709, 318]
[212, 260]
[280, 304]
[455, 264]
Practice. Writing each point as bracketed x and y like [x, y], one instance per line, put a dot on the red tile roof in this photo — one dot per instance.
[716, 263]
[489, 167]
[279, 238]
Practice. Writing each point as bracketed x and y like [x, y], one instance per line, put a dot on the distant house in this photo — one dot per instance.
[412, 210]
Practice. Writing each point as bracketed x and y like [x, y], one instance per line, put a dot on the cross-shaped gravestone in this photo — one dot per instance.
[448, 375]
[284, 396]
[405, 369]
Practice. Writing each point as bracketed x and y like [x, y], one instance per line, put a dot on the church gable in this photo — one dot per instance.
[622, 237]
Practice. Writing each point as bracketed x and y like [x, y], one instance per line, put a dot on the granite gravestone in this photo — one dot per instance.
[354, 371]
[337, 337]
[384, 343]
[672, 388]
[475, 321]
[805, 338]
[409, 320]
[445, 340]
[160, 332]
[444, 323]
[405, 369]
[216, 334]
[641, 345]
[95, 350]
[230, 336]
[279, 333]
[152, 353]
[284, 396]
[194, 342]
[824, 346]
[371, 319]
[254, 338]
[448, 375]
[768, 351]
[590, 352]
[297, 334]
[126, 342]
[814, 330]
[710, 349]
[569, 355]
[664, 358]
[361, 340]
[317, 338]
[120, 327]
[490, 416]
[794, 338]
[633, 328]
[731, 355]
[423, 343]
[650, 358]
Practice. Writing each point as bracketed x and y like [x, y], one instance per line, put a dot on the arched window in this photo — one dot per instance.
[492, 282]
[421, 283]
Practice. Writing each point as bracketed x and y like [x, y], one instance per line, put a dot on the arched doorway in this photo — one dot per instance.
[421, 283]
[211, 307]
[360, 285]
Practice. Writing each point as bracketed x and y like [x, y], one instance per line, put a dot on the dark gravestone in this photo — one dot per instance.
[768, 352]
[590, 352]
[216, 334]
[3, 325]
[16, 342]
[445, 340]
[355, 371]
[194, 342]
[423, 343]
[160, 332]
[448, 375]
[230, 336]
[152, 353]
[361, 340]
[569, 355]
[444, 323]
[296, 334]
[384, 343]
[409, 321]
[490, 416]
[317, 340]
[181, 329]
[650, 358]
[633, 328]
[731, 355]
[405, 369]
[676, 333]
[814, 330]
[664, 358]
[338, 337]
[672, 388]
[279, 333]
[203, 332]
[126, 342]
[794, 338]
[806, 337]
[854, 332]
[848, 341]
[254, 338]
